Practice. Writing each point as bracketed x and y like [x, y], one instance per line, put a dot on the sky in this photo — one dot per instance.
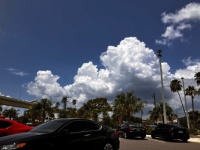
[90, 49]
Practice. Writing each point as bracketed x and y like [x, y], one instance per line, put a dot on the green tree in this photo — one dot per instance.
[176, 86]
[34, 112]
[64, 101]
[191, 91]
[10, 113]
[74, 102]
[197, 78]
[125, 105]
[157, 113]
[1, 109]
[94, 108]
[46, 108]
[40, 110]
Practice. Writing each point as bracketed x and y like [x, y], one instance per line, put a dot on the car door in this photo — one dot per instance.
[75, 138]
[4, 130]
[94, 135]
[159, 130]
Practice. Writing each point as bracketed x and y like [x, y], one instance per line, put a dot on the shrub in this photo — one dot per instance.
[193, 131]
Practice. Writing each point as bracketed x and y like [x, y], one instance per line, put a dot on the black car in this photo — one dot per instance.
[170, 132]
[131, 130]
[64, 133]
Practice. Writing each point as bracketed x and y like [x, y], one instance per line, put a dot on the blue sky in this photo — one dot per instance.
[89, 49]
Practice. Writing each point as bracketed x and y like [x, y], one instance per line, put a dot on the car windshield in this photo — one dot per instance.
[48, 127]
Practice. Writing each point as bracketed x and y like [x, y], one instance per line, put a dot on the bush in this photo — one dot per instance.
[193, 131]
[149, 129]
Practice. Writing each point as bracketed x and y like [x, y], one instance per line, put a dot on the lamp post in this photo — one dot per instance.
[163, 97]
[187, 117]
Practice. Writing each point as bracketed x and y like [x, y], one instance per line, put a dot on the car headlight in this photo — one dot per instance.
[12, 146]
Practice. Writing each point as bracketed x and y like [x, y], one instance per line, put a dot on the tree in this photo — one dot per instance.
[197, 78]
[176, 86]
[64, 101]
[46, 108]
[191, 91]
[10, 113]
[93, 108]
[0, 109]
[40, 110]
[125, 105]
[74, 102]
[157, 113]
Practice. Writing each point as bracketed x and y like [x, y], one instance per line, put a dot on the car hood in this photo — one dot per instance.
[19, 137]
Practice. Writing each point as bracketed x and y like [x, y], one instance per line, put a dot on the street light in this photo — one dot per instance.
[163, 97]
[187, 117]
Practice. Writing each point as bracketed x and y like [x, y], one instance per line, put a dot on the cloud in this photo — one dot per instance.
[45, 86]
[178, 22]
[127, 67]
[17, 72]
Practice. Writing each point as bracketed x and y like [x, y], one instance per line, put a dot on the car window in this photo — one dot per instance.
[4, 124]
[50, 126]
[93, 126]
[77, 126]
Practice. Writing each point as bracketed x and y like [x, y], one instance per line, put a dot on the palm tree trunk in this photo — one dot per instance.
[193, 112]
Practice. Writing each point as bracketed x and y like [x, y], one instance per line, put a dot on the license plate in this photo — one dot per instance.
[180, 131]
[138, 129]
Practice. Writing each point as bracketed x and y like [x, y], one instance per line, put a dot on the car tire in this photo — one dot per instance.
[184, 140]
[153, 136]
[108, 146]
[143, 137]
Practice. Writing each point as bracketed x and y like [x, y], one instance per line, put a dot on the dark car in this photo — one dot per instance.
[8, 127]
[131, 130]
[64, 133]
[170, 132]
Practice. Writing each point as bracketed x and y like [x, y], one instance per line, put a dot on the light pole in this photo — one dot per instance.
[163, 97]
[187, 117]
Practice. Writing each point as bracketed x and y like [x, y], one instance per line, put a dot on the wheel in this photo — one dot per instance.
[184, 140]
[143, 137]
[153, 136]
[166, 137]
[108, 146]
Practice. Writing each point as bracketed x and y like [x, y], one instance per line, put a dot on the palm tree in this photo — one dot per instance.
[10, 113]
[197, 78]
[64, 101]
[46, 108]
[176, 86]
[93, 108]
[125, 105]
[191, 91]
[157, 113]
[74, 102]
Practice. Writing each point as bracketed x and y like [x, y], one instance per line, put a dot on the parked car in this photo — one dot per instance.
[131, 130]
[64, 133]
[170, 132]
[8, 127]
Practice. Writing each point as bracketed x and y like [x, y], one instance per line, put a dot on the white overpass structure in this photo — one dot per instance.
[8, 101]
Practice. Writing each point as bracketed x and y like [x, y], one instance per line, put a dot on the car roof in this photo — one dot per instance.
[64, 120]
